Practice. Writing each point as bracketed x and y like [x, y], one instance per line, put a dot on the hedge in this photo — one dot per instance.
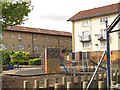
[36, 61]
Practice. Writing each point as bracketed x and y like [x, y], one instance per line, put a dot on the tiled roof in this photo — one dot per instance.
[109, 9]
[38, 30]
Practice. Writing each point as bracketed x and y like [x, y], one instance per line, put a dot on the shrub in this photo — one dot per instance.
[20, 55]
[36, 61]
[12, 62]
[23, 62]
[4, 54]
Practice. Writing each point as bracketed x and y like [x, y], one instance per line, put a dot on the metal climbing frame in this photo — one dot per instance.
[108, 31]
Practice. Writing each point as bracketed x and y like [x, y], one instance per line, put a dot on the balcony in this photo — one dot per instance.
[85, 39]
[102, 38]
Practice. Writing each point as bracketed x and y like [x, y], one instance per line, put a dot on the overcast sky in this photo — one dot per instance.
[53, 14]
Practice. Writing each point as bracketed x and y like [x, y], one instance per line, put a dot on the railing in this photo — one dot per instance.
[85, 39]
[102, 38]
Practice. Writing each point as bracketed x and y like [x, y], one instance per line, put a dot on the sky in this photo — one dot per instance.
[53, 14]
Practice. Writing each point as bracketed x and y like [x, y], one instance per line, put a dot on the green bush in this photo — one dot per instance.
[36, 61]
[23, 62]
[20, 55]
[5, 56]
[12, 62]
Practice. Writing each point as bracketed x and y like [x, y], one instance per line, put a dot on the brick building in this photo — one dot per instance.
[34, 40]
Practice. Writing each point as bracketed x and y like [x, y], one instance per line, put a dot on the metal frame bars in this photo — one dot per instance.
[96, 70]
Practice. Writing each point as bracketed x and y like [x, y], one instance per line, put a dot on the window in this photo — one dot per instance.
[42, 37]
[19, 36]
[34, 37]
[48, 38]
[3, 46]
[119, 34]
[28, 36]
[60, 39]
[1, 35]
[13, 46]
[28, 46]
[103, 44]
[85, 22]
[85, 45]
[85, 34]
[21, 47]
[36, 47]
[43, 46]
[103, 33]
[102, 19]
[66, 39]
[13, 35]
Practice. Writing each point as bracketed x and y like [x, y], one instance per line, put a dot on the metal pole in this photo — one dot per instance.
[96, 70]
[108, 57]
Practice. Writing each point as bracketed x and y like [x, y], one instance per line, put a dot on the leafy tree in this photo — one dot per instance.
[15, 13]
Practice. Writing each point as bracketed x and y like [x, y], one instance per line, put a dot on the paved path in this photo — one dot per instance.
[24, 71]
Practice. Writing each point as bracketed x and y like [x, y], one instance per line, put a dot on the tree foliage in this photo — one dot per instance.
[15, 13]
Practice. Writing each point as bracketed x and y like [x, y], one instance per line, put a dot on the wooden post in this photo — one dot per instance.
[69, 85]
[79, 81]
[55, 80]
[85, 83]
[64, 82]
[57, 86]
[72, 81]
[25, 85]
[46, 83]
[37, 84]
[113, 83]
[101, 85]
[86, 77]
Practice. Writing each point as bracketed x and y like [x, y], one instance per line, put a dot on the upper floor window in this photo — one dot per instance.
[66, 39]
[13, 46]
[119, 34]
[34, 37]
[86, 45]
[3, 46]
[103, 44]
[42, 37]
[28, 36]
[60, 39]
[1, 35]
[28, 46]
[21, 47]
[85, 22]
[48, 38]
[36, 47]
[85, 35]
[103, 33]
[43, 46]
[13, 35]
[102, 19]
[19, 36]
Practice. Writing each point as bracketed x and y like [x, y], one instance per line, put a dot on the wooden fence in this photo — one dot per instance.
[100, 82]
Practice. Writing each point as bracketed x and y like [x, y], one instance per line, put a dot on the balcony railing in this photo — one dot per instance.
[102, 38]
[85, 39]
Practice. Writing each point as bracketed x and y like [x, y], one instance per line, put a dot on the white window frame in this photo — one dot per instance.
[86, 22]
[102, 19]
[48, 38]
[29, 36]
[3, 46]
[21, 47]
[103, 44]
[85, 35]
[42, 37]
[19, 36]
[86, 45]
[1, 35]
[36, 47]
[35, 37]
[103, 33]
[13, 35]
